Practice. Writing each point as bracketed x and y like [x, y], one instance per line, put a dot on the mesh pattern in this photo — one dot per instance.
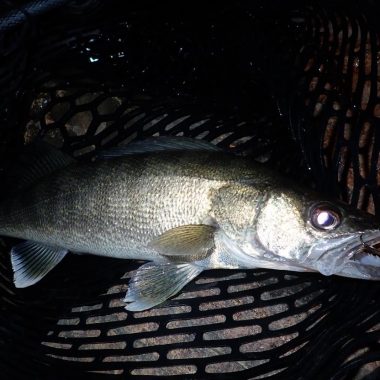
[23, 13]
[87, 89]
[260, 324]
[81, 121]
[340, 113]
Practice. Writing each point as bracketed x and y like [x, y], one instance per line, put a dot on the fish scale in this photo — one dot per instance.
[186, 207]
[117, 214]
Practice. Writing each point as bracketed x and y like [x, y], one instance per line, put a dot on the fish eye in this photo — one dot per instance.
[325, 216]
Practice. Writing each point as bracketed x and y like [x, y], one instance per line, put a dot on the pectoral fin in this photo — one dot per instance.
[154, 283]
[32, 261]
[186, 243]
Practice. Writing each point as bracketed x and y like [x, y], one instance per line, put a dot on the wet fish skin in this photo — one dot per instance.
[111, 207]
[185, 211]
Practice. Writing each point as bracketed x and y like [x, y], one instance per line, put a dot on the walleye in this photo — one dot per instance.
[185, 206]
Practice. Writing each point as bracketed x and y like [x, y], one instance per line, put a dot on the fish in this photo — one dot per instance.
[183, 206]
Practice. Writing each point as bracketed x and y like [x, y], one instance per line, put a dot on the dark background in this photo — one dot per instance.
[289, 83]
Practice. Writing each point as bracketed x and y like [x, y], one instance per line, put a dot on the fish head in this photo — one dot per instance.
[299, 230]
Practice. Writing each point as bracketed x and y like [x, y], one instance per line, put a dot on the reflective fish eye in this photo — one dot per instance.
[325, 217]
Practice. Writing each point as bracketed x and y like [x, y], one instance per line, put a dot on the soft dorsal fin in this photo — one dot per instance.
[159, 144]
[35, 162]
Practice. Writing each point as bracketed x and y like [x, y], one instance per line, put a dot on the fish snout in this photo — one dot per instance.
[365, 262]
[354, 255]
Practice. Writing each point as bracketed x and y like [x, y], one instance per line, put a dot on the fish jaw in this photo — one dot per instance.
[247, 253]
[346, 256]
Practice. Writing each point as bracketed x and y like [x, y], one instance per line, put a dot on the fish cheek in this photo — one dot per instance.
[280, 227]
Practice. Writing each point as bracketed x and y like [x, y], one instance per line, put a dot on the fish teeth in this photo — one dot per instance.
[370, 259]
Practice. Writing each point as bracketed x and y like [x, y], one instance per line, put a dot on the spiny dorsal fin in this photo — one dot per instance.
[31, 261]
[186, 243]
[35, 162]
[159, 144]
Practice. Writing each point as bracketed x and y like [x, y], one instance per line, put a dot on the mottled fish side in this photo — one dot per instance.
[115, 207]
[185, 206]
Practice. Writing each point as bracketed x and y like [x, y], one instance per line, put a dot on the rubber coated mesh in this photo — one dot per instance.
[337, 109]
[120, 78]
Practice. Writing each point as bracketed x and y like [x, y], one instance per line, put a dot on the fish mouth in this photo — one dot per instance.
[369, 251]
[355, 255]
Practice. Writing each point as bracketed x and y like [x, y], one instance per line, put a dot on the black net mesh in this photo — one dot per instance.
[137, 70]
[337, 107]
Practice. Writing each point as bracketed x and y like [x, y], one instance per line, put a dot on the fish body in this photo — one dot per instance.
[116, 207]
[185, 209]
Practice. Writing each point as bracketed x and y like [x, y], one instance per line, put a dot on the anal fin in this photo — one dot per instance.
[154, 283]
[31, 261]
